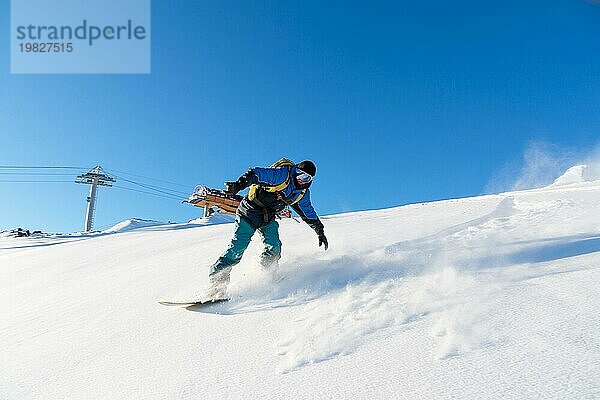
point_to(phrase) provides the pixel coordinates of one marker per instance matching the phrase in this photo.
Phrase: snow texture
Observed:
(487, 297)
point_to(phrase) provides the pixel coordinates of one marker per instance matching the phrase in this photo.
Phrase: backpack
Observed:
(282, 162)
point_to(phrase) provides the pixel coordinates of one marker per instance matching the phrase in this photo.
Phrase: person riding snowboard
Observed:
(272, 189)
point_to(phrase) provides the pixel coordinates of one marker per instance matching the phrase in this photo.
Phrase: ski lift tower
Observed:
(96, 177)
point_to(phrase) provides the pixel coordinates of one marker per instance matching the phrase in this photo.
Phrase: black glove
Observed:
(234, 187)
(242, 183)
(322, 239)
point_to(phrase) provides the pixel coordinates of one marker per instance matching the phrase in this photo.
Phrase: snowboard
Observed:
(192, 303)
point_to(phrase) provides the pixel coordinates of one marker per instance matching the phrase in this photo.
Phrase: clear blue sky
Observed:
(396, 102)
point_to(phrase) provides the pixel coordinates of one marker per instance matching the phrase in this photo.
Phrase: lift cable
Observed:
(39, 167)
(154, 190)
(158, 189)
(150, 193)
(34, 181)
(112, 171)
(39, 173)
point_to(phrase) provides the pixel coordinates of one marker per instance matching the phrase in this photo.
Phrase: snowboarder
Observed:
(272, 189)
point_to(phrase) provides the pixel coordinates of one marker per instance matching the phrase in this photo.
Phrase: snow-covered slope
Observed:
(144, 224)
(576, 174)
(131, 224)
(487, 297)
(214, 219)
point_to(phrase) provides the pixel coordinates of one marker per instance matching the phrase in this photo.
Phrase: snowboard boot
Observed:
(218, 284)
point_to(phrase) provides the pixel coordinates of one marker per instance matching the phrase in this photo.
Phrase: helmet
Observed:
(308, 167)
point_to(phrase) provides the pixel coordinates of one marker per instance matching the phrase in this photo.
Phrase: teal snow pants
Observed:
(244, 231)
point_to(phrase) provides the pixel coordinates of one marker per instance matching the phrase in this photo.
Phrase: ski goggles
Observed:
(304, 177)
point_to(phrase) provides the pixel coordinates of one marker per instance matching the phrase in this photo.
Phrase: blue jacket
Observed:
(267, 204)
